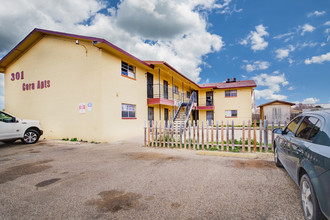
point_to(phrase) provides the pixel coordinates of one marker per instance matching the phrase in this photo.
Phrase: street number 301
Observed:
(17, 76)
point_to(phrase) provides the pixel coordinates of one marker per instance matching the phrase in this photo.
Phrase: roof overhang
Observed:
(38, 34)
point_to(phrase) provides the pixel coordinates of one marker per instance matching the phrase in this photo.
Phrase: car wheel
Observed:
(309, 202)
(31, 136)
(276, 159)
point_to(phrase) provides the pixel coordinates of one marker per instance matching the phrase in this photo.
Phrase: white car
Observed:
(12, 129)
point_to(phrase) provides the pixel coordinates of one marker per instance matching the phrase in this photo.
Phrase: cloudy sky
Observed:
(282, 45)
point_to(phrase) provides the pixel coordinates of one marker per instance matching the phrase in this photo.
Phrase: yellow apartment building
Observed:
(88, 88)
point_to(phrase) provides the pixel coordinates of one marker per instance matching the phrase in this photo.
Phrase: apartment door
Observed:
(209, 98)
(166, 115)
(165, 89)
(209, 117)
(150, 113)
(150, 86)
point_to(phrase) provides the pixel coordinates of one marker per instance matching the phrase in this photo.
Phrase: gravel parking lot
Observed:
(123, 180)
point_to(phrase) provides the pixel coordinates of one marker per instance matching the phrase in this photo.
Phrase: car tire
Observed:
(276, 159)
(31, 136)
(310, 205)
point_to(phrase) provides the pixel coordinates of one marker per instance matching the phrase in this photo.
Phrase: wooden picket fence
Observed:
(219, 137)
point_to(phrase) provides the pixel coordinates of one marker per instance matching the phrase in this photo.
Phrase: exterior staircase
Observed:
(183, 113)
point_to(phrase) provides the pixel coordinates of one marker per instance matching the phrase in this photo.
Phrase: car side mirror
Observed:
(278, 131)
(14, 120)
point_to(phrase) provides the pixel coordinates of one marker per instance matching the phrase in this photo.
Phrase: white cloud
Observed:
(257, 65)
(315, 13)
(284, 52)
(310, 101)
(291, 88)
(327, 23)
(280, 36)
(273, 84)
(256, 38)
(318, 59)
(173, 31)
(307, 28)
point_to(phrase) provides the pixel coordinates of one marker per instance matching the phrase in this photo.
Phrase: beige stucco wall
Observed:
(76, 78)
(242, 103)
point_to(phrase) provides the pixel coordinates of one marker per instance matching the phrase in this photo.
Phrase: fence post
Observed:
(203, 135)
(217, 135)
(232, 135)
(207, 135)
(197, 134)
(249, 136)
(222, 145)
(189, 135)
(194, 134)
(266, 135)
(212, 140)
(153, 133)
(160, 134)
(227, 136)
(148, 124)
(168, 134)
(254, 135)
(172, 135)
(184, 135)
(260, 136)
(156, 141)
(164, 134)
(272, 136)
(243, 137)
(177, 136)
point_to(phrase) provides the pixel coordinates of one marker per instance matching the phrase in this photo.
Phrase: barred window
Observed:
(231, 93)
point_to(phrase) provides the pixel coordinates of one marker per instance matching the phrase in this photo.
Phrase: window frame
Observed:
(231, 113)
(129, 66)
(230, 93)
(128, 117)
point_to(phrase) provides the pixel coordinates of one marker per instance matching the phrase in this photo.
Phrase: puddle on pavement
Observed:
(15, 172)
(47, 182)
(115, 200)
(152, 156)
(253, 164)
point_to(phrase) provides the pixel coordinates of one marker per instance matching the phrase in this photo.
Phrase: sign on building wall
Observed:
(82, 108)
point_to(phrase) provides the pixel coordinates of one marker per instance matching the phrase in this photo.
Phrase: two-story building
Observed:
(88, 88)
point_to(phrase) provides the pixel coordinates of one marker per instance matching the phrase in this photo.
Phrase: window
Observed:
(6, 118)
(127, 70)
(231, 93)
(128, 111)
(176, 89)
(188, 94)
(230, 113)
(306, 127)
(292, 127)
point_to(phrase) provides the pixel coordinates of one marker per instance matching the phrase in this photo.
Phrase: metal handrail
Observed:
(190, 105)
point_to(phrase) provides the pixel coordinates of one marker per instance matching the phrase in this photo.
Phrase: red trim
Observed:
(160, 101)
(128, 77)
(205, 108)
(128, 118)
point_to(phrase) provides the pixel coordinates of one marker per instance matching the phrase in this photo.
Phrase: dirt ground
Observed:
(123, 180)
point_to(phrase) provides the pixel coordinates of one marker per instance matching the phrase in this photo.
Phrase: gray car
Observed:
(303, 149)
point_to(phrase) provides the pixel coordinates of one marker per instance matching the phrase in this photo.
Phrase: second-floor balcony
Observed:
(165, 95)
(205, 103)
